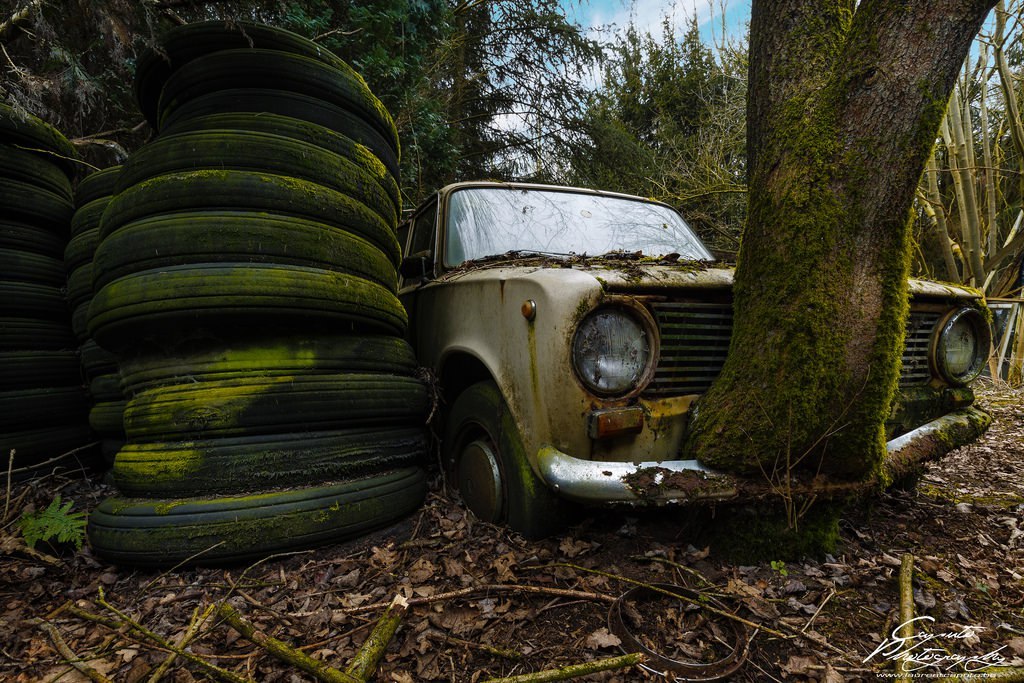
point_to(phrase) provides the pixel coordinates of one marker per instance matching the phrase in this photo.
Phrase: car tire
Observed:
(29, 167)
(484, 456)
(25, 130)
(28, 299)
(270, 405)
(31, 369)
(179, 239)
(165, 304)
(33, 205)
(96, 185)
(25, 266)
(80, 285)
(257, 102)
(309, 354)
(248, 463)
(302, 131)
(29, 408)
(88, 216)
(165, 532)
(242, 150)
(249, 191)
(14, 235)
(27, 332)
(183, 44)
(32, 447)
(107, 418)
(81, 249)
(97, 361)
(255, 68)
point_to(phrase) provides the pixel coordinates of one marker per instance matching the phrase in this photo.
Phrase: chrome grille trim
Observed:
(694, 338)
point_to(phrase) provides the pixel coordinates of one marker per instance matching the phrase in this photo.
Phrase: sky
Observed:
(648, 14)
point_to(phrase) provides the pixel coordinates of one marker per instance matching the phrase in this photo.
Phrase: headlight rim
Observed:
(982, 335)
(640, 315)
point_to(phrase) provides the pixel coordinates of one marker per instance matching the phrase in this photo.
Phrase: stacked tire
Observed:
(99, 367)
(246, 278)
(42, 398)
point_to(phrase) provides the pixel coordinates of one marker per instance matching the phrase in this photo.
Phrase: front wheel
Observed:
(484, 456)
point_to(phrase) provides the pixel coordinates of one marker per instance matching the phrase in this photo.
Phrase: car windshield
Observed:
(490, 221)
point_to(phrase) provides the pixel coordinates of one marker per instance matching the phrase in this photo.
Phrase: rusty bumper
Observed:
(687, 481)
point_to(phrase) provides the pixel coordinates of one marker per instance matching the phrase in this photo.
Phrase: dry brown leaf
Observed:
(602, 638)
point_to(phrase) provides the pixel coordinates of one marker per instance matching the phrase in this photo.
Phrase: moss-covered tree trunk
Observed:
(844, 105)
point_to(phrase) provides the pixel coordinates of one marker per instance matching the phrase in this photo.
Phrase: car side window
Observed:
(421, 244)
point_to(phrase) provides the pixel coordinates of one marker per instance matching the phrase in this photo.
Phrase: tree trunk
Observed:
(843, 109)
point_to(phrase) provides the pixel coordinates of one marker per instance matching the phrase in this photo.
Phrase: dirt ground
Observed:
(485, 603)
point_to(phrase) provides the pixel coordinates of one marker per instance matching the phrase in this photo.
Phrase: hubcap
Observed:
(480, 480)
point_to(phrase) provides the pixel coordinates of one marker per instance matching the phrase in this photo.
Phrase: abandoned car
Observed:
(568, 363)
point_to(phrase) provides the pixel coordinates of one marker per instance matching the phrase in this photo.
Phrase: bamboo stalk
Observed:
(991, 221)
(964, 186)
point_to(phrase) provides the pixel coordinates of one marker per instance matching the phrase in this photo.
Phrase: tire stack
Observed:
(99, 367)
(42, 399)
(246, 278)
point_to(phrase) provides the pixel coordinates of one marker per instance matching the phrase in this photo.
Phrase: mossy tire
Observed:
(302, 131)
(29, 167)
(31, 300)
(97, 361)
(183, 44)
(263, 153)
(255, 68)
(25, 130)
(484, 455)
(80, 285)
(270, 405)
(106, 387)
(88, 216)
(107, 418)
(176, 302)
(231, 529)
(14, 235)
(230, 465)
(96, 185)
(24, 408)
(249, 191)
(80, 321)
(38, 369)
(81, 249)
(259, 102)
(35, 333)
(26, 266)
(27, 203)
(179, 239)
(308, 355)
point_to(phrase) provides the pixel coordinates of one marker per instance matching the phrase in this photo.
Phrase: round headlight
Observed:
(962, 346)
(611, 351)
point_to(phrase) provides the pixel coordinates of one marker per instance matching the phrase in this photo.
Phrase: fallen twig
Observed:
(187, 637)
(575, 670)
(282, 650)
(364, 664)
(814, 616)
(489, 588)
(656, 589)
(69, 656)
(211, 669)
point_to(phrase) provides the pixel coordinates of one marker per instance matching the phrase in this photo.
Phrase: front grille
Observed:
(695, 340)
(916, 370)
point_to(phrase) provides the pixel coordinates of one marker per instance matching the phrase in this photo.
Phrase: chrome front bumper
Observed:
(687, 481)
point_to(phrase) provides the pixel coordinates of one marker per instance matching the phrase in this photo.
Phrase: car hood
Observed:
(624, 275)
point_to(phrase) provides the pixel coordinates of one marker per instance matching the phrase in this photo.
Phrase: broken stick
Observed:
(574, 670)
(906, 609)
(282, 650)
(364, 664)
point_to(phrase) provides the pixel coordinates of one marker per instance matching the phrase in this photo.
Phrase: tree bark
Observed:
(844, 103)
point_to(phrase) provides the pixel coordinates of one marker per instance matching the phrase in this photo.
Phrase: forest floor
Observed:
(486, 603)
